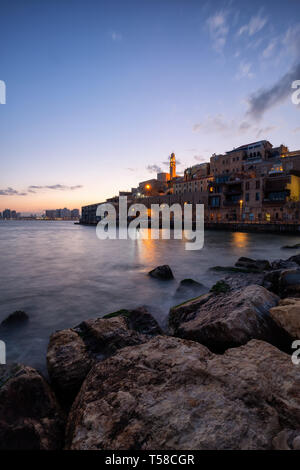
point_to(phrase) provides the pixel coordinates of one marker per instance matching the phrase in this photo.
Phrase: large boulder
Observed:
(164, 273)
(271, 280)
(30, 417)
(283, 264)
(284, 280)
(287, 316)
(72, 352)
(173, 394)
(239, 280)
(186, 311)
(221, 321)
(253, 265)
(295, 259)
(289, 283)
(139, 320)
(68, 362)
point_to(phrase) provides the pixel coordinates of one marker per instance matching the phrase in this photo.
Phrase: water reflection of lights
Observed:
(146, 247)
(240, 239)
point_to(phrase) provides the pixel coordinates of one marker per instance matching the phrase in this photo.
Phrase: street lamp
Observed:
(241, 208)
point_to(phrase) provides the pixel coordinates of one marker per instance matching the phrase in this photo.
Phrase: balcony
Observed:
(231, 203)
(273, 202)
(233, 192)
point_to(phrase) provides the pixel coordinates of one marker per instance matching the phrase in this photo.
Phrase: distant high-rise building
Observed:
(50, 214)
(62, 214)
(65, 213)
(75, 213)
(6, 214)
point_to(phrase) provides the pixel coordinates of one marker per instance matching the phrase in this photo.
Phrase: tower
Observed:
(172, 166)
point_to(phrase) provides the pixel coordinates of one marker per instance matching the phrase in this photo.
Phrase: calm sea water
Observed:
(61, 274)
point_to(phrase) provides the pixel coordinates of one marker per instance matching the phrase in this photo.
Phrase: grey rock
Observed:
(289, 283)
(224, 320)
(189, 288)
(291, 247)
(295, 259)
(283, 264)
(16, 318)
(239, 280)
(163, 273)
(173, 394)
(72, 352)
(30, 417)
(257, 265)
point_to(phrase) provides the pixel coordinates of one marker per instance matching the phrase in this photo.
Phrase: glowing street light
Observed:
(241, 208)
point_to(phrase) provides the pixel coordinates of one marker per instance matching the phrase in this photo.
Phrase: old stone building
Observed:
(254, 183)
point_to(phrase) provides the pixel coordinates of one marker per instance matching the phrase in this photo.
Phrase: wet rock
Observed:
(185, 311)
(68, 362)
(190, 283)
(238, 280)
(283, 264)
(256, 265)
(139, 320)
(173, 394)
(220, 287)
(72, 352)
(188, 288)
(295, 259)
(30, 417)
(287, 316)
(291, 247)
(16, 318)
(229, 269)
(285, 280)
(271, 281)
(289, 283)
(163, 273)
(229, 319)
(287, 439)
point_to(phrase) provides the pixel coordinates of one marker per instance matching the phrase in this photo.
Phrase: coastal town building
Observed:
(253, 183)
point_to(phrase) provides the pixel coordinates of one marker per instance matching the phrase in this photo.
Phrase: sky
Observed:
(100, 93)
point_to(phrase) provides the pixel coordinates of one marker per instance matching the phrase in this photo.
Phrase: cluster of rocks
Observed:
(221, 377)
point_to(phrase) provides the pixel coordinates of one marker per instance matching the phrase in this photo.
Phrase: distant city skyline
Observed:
(9, 213)
(100, 93)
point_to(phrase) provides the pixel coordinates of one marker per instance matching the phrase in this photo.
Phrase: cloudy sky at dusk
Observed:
(99, 93)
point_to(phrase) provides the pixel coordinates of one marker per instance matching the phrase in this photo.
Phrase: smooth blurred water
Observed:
(61, 274)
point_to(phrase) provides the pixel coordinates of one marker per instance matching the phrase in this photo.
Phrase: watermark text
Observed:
(296, 94)
(2, 92)
(135, 221)
(2, 352)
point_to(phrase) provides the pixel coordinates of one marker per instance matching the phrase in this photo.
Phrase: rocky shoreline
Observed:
(221, 377)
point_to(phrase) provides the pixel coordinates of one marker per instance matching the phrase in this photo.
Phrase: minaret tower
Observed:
(172, 166)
